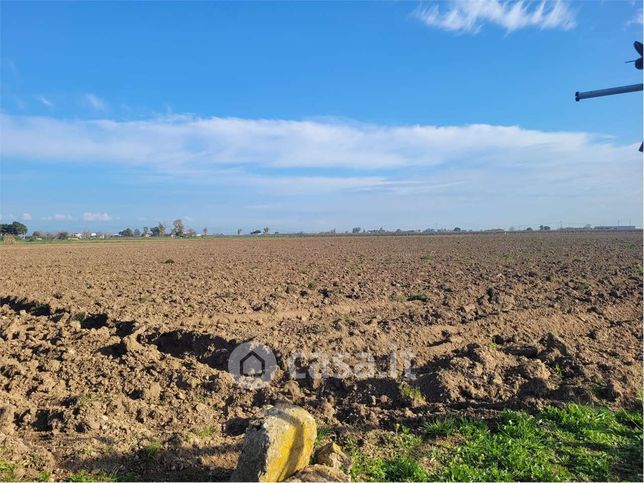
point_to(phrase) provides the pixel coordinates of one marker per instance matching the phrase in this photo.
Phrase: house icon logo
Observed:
(252, 365)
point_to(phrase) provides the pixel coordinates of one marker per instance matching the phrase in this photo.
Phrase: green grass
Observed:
(426, 257)
(324, 433)
(7, 471)
(151, 449)
(412, 394)
(574, 442)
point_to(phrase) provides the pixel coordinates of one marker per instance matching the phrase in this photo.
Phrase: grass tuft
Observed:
(83, 475)
(151, 449)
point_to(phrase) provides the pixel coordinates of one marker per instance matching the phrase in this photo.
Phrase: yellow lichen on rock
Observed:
(276, 445)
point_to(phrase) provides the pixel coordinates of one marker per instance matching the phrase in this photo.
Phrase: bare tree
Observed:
(239, 231)
(178, 227)
(266, 230)
(205, 231)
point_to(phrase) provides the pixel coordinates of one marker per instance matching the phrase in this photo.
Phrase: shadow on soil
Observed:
(212, 463)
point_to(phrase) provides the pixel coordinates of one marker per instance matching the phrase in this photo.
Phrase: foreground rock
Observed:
(332, 455)
(276, 445)
(319, 473)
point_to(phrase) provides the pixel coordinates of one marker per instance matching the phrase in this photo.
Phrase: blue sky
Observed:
(313, 116)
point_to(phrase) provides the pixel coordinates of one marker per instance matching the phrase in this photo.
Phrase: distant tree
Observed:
(146, 231)
(15, 228)
(161, 229)
(205, 231)
(587, 226)
(178, 227)
(38, 234)
(137, 232)
(239, 231)
(266, 229)
(356, 229)
(544, 227)
(457, 229)
(127, 233)
(63, 235)
(87, 234)
(19, 228)
(529, 229)
(155, 231)
(255, 232)
(190, 232)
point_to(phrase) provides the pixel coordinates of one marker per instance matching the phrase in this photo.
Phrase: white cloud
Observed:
(45, 101)
(26, 216)
(95, 102)
(58, 217)
(90, 216)
(469, 16)
(307, 158)
(201, 147)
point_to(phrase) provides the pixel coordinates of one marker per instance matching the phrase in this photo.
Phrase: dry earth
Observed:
(113, 356)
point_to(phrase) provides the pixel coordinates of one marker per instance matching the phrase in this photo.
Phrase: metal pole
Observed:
(607, 92)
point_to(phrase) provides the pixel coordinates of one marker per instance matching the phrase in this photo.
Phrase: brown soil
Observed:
(112, 359)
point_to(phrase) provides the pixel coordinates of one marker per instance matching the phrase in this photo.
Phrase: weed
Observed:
(426, 257)
(312, 285)
(80, 316)
(83, 475)
(168, 261)
(412, 394)
(206, 432)
(417, 296)
(7, 471)
(151, 449)
(43, 476)
(324, 433)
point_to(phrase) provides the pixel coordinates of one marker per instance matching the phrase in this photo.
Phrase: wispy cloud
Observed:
(192, 146)
(636, 19)
(95, 102)
(97, 216)
(58, 217)
(469, 16)
(307, 158)
(26, 216)
(46, 102)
